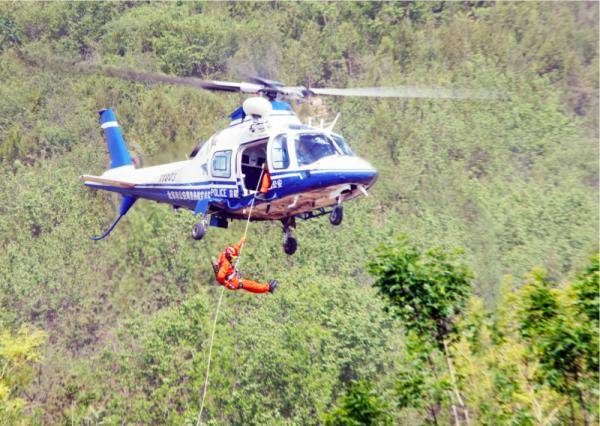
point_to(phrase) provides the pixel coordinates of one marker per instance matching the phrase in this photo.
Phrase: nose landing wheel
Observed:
(198, 230)
(336, 216)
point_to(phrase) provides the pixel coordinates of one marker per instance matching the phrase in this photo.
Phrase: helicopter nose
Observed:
(373, 175)
(349, 169)
(362, 170)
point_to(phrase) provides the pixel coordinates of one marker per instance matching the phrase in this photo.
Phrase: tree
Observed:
(560, 333)
(426, 291)
(497, 372)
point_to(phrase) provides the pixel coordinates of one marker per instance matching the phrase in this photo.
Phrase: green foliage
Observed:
(513, 182)
(587, 297)
(497, 373)
(426, 291)
(18, 355)
(9, 33)
(298, 351)
(586, 310)
(360, 405)
(196, 46)
(541, 306)
(420, 381)
(536, 357)
(565, 343)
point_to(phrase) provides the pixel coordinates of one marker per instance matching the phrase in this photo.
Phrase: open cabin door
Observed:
(251, 157)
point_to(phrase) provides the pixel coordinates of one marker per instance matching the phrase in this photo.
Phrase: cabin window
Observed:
(279, 153)
(311, 147)
(221, 164)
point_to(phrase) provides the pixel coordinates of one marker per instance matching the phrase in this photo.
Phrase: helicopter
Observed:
(313, 170)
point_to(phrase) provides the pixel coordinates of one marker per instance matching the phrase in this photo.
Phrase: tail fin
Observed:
(126, 204)
(119, 155)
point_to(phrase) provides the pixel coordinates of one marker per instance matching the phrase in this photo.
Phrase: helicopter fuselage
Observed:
(311, 169)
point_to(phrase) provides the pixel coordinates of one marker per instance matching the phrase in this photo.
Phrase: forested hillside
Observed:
(484, 219)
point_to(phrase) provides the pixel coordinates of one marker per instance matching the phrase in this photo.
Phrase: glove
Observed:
(243, 240)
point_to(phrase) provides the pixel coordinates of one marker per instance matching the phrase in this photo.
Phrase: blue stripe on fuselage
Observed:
(200, 183)
(228, 198)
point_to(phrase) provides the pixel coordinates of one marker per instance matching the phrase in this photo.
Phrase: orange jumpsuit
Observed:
(266, 180)
(228, 277)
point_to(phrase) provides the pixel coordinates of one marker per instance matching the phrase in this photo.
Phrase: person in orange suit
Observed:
(265, 184)
(231, 278)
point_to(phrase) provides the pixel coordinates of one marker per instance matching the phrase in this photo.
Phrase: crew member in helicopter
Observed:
(265, 184)
(230, 276)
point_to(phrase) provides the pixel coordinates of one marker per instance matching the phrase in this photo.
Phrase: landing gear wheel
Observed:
(336, 215)
(198, 231)
(290, 245)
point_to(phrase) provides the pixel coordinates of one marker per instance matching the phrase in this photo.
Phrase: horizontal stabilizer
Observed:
(104, 181)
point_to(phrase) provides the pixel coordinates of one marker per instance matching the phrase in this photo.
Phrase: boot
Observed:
(272, 286)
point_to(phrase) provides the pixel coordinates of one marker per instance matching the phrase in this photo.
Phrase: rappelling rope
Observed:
(212, 338)
(237, 261)
(214, 326)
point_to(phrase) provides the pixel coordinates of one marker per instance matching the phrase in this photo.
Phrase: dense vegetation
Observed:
(117, 331)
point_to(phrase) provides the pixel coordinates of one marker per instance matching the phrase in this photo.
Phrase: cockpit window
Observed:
(342, 145)
(279, 153)
(311, 147)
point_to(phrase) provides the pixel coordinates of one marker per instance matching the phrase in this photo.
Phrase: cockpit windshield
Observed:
(342, 145)
(311, 147)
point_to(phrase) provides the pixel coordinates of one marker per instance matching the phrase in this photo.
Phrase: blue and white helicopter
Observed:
(312, 169)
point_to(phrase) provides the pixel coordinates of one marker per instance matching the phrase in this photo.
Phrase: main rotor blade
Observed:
(214, 85)
(126, 74)
(260, 85)
(405, 92)
(264, 81)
